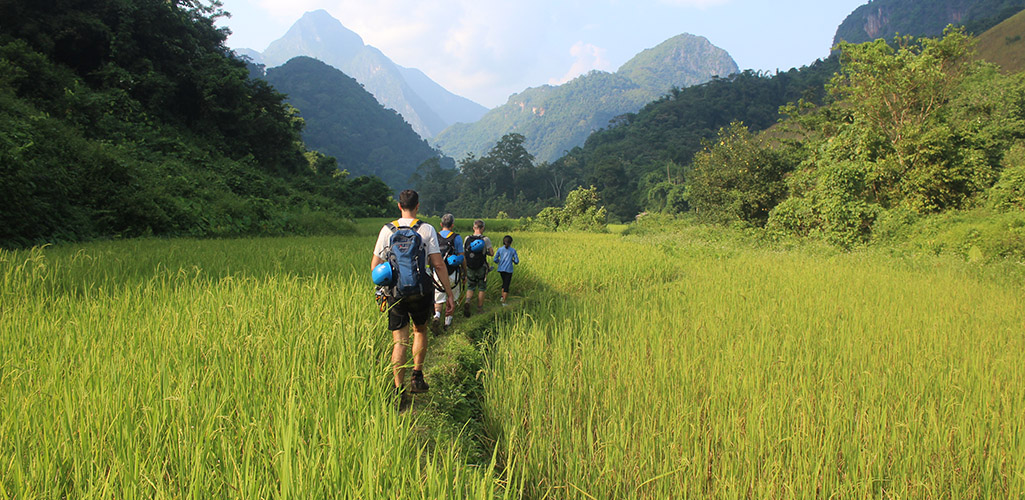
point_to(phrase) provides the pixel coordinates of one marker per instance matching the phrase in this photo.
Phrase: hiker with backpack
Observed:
(505, 257)
(403, 250)
(476, 250)
(450, 244)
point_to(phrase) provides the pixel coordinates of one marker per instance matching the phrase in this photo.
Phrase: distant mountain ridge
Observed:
(555, 119)
(427, 106)
(345, 121)
(886, 18)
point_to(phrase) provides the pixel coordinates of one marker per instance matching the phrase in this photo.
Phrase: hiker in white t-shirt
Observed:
(417, 308)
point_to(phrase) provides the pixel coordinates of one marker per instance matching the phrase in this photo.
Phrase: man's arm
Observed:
(439, 263)
(376, 261)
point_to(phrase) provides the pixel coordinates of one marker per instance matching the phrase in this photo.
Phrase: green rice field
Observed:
(629, 366)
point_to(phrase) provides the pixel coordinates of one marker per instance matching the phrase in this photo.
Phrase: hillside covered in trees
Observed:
(636, 162)
(345, 121)
(131, 118)
(888, 18)
(916, 127)
(556, 118)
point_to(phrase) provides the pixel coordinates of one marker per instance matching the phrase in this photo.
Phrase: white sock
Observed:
(437, 315)
(448, 320)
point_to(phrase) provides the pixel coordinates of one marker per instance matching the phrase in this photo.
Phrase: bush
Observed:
(1009, 191)
(582, 212)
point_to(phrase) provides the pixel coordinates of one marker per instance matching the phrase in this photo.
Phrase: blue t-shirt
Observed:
(458, 241)
(506, 257)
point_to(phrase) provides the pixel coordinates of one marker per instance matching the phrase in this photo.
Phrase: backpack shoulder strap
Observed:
(393, 225)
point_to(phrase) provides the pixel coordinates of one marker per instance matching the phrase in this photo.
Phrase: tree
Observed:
(736, 177)
(898, 103)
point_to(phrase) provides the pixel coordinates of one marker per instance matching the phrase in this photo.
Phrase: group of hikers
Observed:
(404, 250)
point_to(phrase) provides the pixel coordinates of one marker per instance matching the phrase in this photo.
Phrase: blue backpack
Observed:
(408, 257)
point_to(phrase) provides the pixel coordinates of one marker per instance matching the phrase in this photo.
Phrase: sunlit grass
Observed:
(233, 368)
(662, 368)
(654, 366)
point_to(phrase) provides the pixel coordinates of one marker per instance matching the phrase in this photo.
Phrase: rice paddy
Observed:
(632, 367)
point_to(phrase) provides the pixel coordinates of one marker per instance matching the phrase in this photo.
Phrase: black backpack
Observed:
(474, 260)
(447, 245)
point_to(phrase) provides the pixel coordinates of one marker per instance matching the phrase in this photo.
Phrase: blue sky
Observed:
(487, 50)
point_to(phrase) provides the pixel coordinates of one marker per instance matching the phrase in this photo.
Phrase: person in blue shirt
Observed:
(505, 257)
(450, 243)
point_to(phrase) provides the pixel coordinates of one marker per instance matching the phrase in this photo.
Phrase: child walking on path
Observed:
(505, 257)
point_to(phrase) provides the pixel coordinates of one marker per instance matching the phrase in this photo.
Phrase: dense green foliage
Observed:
(504, 180)
(554, 119)
(637, 162)
(888, 18)
(345, 121)
(582, 212)
(919, 126)
(736, 178)
(123, 118)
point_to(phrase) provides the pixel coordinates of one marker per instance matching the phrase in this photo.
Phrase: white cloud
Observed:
(587, 57)
(483, 50)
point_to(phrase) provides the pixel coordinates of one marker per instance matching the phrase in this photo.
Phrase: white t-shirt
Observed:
(427, 232)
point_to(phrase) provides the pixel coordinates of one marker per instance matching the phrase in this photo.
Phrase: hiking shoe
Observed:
(436, 326)
(402, 399)
(466, 309)
(417, 385)
(480, 310)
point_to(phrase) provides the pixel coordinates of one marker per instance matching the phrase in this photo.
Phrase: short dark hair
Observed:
(478, 224)
(507, 240)
(409, 199)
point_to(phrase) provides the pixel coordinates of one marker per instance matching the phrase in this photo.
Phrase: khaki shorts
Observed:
(439, 297)
(477, 279)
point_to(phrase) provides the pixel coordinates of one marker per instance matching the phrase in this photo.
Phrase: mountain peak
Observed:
(680, 61)
(427, 106)
(315, 34)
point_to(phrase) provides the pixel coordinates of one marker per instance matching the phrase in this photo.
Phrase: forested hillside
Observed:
(638, 161)
(344, 120)
(887, 18)
(915, 129)
(130, 118)
(556, 118)
(427, 106)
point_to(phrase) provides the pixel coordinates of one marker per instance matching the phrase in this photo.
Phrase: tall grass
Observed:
(669, 368)
(233, 368)
(651, 366)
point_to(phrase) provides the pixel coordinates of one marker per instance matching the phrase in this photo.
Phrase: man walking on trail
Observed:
(416, 307)
(476, 249)
(450, 244)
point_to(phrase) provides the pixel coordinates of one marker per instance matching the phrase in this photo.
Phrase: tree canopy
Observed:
(124, 118)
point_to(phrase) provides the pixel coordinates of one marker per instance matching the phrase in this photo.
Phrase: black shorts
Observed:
(506, 279)
(418, 308)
